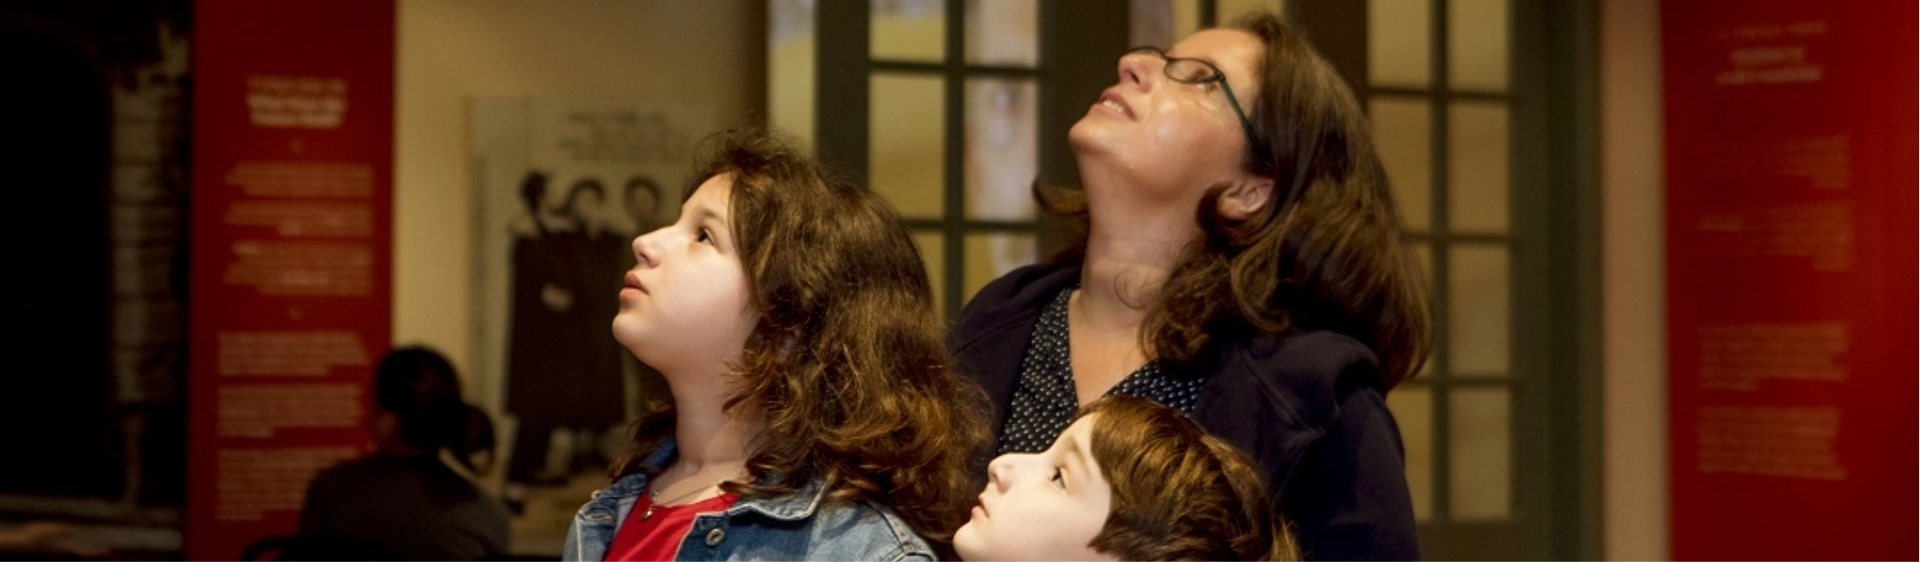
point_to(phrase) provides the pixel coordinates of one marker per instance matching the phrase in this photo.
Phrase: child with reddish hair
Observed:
(1129, 479)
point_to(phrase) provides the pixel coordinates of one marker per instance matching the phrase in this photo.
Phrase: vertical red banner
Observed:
(291, 259)
(1791, 278)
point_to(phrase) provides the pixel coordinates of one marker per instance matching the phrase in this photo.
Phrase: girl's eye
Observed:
(706, 237)
(1059, 477)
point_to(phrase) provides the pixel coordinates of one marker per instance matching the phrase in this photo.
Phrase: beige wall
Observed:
(1633, 330)
(451, 50)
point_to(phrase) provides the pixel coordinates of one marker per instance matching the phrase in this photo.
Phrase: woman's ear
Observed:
(1242, 200)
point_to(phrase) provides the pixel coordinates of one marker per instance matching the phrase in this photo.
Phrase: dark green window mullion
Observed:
(842, 59)
(1458, 383)
(1468, 238)
(945, 66)
(1457, 95)
(973, 226)
(953, 209)
(1442, 250)
(1555, 63)
(883, 65)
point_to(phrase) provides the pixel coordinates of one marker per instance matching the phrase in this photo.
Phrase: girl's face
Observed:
(686, 303)
(1044, 506)
(1167, 139)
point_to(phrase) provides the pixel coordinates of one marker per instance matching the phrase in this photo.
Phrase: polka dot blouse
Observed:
(1044, 399)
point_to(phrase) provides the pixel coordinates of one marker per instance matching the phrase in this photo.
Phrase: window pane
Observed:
(1003, 33)
(1399, 43)
(932, 248)
(1151, 22)
(1479, 465)
(1186, 20)
(1477, 45)
(991, 255)
(1477, 306)
(909, 30)
(1403, 133)
(1002, 155)
(1412, 408)
(1225, 11)
(1162, 22)
(1477, 154)
(908, 142)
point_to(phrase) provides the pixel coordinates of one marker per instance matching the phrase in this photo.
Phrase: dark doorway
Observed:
(55, 416)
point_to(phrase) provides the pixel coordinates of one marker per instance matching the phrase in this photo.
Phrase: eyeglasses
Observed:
(1196, 71)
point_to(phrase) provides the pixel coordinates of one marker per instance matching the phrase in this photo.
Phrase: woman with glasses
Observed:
(1241, 262)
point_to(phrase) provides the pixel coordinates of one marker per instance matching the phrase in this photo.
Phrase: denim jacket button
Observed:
(715, 536)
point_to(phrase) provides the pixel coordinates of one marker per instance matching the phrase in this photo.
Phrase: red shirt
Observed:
(658, 537)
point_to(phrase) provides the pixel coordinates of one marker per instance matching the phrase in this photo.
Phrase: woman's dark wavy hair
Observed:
(1324, 252)
(1179, 493)
(848, 366)
(421, 389)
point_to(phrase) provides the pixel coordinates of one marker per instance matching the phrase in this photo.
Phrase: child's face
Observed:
(685, 303)
(1044, 506)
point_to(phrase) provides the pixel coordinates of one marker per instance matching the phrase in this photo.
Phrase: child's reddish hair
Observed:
(1179, 493)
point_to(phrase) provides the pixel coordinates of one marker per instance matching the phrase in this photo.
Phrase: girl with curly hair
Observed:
(815, 412)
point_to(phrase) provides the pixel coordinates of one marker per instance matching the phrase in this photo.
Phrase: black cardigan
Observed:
(1307, 405)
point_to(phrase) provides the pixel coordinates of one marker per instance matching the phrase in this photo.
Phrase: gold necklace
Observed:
(653, 499)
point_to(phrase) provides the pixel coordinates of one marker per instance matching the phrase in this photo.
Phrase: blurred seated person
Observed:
(403, 501)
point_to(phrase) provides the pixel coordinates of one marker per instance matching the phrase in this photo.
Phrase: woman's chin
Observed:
(1084, 136)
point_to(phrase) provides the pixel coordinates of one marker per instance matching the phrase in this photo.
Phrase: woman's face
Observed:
(1165, 140)
(686, 300)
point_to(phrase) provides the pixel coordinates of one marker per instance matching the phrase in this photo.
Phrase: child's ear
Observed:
(789, 343)
(1243, 199)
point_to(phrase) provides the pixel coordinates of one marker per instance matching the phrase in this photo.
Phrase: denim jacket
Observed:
(799, 526)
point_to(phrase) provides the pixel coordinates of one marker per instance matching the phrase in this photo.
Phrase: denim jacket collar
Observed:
(809, 527)
(796, 506)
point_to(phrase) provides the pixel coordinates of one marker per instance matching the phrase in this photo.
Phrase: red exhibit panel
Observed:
(1791, 283)
(291, 261)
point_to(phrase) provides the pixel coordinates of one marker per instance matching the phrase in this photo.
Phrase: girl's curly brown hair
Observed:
(848, 366)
